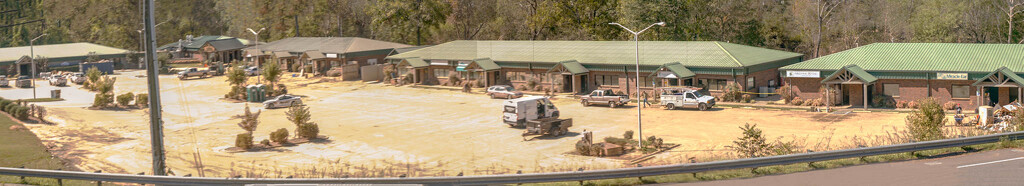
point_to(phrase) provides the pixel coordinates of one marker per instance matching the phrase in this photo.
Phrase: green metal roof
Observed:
(1006, 72)
(332, 45)
(652, 53)
(678, 69)
(60, 52)
(922, 57)
(414, 62)
(199, 42)
(856, 71)
(574, 67)
(486, 64)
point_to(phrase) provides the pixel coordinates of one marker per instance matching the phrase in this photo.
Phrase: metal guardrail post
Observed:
(60, 182)
(99, 182)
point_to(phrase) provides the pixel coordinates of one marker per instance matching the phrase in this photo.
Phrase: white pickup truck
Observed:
(194, 72)
(675, 97)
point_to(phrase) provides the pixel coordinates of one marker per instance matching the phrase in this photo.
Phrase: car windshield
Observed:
(695, 93)
(510, 89)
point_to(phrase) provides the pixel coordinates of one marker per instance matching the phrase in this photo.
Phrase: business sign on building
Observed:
(951, 76)
(803, 74)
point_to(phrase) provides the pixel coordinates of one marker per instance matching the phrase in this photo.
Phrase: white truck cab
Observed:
(516, 112)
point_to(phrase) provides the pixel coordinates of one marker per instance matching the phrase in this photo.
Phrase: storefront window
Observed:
(961, 91)
(645, 82)
(607, 80)
(441, 73)
(750, 83)
(891, 90)
(713, 84)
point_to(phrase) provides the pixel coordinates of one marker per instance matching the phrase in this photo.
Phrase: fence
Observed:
(533, 177)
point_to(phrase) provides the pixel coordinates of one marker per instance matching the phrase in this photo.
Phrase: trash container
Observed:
(55, 93)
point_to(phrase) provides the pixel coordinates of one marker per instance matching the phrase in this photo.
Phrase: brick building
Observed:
(320, 54)
(205, 48)
(581, 66)
(65, 57)
(968, 74)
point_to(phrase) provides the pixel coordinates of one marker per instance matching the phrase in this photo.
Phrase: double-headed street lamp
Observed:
(636, 37)
(258, 52)
(32, 58)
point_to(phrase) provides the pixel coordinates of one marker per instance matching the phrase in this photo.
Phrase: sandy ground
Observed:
(377, 128)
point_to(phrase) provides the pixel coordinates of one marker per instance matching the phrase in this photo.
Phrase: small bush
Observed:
(815, 102)
(21, 113)
(628, 134)
(901, 104)
(883, 101)
(797, 101)
(786, 92)
(265, 142)
(522, 88)
(731, 93)
(125, 99)
(279, 136)
(244, 141)
(926, 122)
(333, 73)
(4, 104)
(912, 104)
(620, 141)
(142, 99)
(308, 131)
(40, 112)
(747, 98)
(949, 105)
(10, 108)
(752, 144)
(102, 100)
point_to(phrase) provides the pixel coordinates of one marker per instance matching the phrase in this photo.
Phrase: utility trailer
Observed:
(547, 127)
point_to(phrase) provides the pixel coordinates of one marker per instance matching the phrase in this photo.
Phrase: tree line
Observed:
(812, 27)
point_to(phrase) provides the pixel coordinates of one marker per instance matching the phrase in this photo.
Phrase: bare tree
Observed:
(1011, 9)
(823, 11)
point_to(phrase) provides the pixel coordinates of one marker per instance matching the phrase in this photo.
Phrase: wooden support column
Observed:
(865, 95)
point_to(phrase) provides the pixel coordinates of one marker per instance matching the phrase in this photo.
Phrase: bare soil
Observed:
(378, 130)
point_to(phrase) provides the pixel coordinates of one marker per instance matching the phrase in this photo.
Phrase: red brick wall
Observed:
(910, 90)
(805, 88)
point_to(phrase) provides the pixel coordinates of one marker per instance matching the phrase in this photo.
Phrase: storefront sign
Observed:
(951, 76)
(804, 74)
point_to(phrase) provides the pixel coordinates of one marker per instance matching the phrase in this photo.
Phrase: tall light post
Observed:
(156, 129)
(142, 39)
(32, 59)
(258, 52)
(636, 37)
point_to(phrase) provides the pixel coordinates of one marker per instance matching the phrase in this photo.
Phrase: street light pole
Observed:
(32, 59)
(156, 131)
(258, 52)
(639, 122)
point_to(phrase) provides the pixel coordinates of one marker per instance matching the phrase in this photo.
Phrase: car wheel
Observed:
(584, 102)
(612, 104)
(492, 96)
(508, 96)
(703, 107)
(670, 106)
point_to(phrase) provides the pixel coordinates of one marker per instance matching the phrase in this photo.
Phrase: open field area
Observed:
(378, 130)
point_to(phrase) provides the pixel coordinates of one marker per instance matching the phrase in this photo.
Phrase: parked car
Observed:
(282, 101)
(194, 72)
(23, 82)
(252, 71)
(45, 75)
(58, 80)
(77, 78)
(503, 91)
(605, 96)
(4, 82)
(675, 97)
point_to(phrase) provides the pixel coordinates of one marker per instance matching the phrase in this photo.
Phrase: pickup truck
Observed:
(605, 96)
(58, 80)
(77, 78)
(194, 72)
(677, 97)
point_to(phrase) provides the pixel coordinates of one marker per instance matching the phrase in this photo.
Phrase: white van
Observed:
(517, 111)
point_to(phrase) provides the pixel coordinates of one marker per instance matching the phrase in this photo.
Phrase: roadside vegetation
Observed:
(236, 78)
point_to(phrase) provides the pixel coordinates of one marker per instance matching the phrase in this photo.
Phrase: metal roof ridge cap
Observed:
(727, 53)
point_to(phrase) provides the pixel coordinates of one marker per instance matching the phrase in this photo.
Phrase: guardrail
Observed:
(532, 177)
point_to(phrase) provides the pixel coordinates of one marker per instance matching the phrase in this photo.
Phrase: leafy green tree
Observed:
(418, 17)
(926, 122)
(272, 73)
(300, 116)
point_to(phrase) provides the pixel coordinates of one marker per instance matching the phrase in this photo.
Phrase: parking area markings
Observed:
(991, 162)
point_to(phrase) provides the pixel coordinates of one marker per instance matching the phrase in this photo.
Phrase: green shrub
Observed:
(731, 93)
(265, 142)
(142, 99)
(244, 141)
(125, 99)
(279, 136)
(797, 101)
(10, 108)
(949, 105)
(883, 101)
(21, 113)
(926, 122)
(786, 92)
(4, 103)
(627, 135)
(752, 143)
(308, 131)
(102, 100)
(747, 98)
(620, 141)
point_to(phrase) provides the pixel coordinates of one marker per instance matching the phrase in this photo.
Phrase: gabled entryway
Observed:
(573, 74)
(673, 74)
(1001, 86)
(852, 84)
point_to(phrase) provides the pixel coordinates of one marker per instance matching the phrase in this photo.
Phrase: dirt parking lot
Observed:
(379, 130)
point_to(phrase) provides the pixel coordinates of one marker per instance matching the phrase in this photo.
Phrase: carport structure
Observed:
(999, 85)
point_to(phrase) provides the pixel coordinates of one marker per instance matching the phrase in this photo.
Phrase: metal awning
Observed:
(850, 74)
(569, 67)
(1001, 78)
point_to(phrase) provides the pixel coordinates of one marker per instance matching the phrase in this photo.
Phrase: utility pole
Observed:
(636, 38)
(156, 131)
(32, 58)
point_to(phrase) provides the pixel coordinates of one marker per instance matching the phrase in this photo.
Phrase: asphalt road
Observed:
(999, 167)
